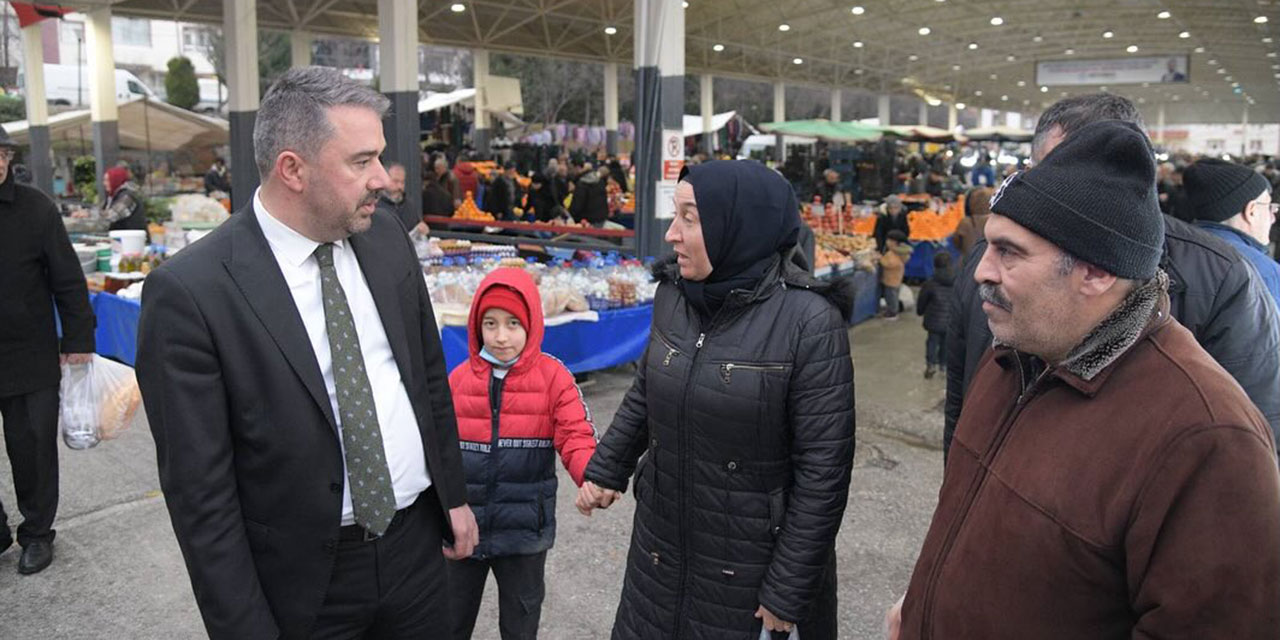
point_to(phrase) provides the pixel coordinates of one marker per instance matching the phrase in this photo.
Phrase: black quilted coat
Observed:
(746, 428)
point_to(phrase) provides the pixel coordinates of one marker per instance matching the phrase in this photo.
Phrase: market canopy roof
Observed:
(825, 130)
(1002, 134)
(972, 52)
(919, 133)
(143, 124)
(693, 124)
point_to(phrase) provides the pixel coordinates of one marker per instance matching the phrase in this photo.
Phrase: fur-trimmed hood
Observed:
(789, 269)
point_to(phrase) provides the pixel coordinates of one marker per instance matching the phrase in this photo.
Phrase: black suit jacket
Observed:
(38, 268)
(247, 446)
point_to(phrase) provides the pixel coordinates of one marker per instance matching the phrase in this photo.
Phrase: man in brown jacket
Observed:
(1108, 479)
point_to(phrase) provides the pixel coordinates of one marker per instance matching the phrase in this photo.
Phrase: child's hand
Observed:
(591, 497)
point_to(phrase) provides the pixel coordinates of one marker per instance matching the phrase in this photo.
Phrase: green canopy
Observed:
(825, 130)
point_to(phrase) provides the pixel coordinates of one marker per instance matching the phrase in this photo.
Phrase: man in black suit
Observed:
(295, 383)
(38, 270)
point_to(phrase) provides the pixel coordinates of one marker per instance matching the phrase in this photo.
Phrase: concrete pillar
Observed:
(398, 75)
(480, 137)
(300, 47)
(102, 90)
(1244, 132)
(987, 118)
(706, 83)
(952, 117)
(779, 115)
(924, 114)
(40, 158)
(240, 35)
(659, 65)
(883, 110)
(837, 104)
(1160, 124)
(611, 108)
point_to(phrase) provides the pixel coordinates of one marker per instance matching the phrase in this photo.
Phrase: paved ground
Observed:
(118, 572)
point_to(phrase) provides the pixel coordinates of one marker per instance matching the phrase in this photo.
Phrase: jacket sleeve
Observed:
(958, 324)
(627, 438)
(1201, 553)
(575, 434)
(180, 376)
(449, 480)
(926, 298)
(70, 292)
(1243, 335)
(820, 406)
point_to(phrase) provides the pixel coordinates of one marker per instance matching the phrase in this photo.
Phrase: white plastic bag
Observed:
(98, 402)
(794, 635)
(907, 298)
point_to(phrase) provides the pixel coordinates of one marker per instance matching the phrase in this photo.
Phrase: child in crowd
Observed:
(935, 305)
(516, 407)
(893, 266)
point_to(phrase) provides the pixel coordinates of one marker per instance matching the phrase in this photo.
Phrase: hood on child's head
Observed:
(519, 281)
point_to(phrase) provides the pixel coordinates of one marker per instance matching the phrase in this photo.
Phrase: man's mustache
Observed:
(990, 293)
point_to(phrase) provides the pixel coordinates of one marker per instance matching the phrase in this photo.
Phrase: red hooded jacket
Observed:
(508, 454)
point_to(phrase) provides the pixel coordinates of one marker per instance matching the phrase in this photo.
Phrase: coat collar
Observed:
(1089, 365)
(1244, 237)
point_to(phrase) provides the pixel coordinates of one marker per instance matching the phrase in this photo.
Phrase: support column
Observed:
(883, 110)
(924, 114)
(240, 33)
(659, 63)
(837, 104)
(481, 134)
(779, 115)
(1160, 124)
(706, 83)
(398, 75)
(300, 47)
(611, 108)
(40, 158)
(953, 118)
(988, 118)
(102, 91)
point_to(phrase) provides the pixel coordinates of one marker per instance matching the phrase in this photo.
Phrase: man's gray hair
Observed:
(1070, 114)
(294, 114)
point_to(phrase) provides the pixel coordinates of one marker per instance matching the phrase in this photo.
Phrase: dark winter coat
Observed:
(1213, 291)
(935, 301)
(746, 428)
(886, 223)
(510, 430)
(590, 200)
(38, 270)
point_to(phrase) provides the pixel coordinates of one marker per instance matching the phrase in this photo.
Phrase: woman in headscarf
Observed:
(124, 207)
(743, 410)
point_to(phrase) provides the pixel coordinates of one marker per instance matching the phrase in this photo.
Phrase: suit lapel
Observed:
(256, 273)
(383, 278)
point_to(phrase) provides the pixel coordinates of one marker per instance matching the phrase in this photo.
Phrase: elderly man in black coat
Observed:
(38, 271)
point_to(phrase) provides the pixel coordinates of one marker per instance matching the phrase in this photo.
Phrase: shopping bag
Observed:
(765, 634)
(906, 298)
(98, 402)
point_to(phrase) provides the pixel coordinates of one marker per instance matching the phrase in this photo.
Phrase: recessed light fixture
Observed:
(1142, 100)
(857, 11)
(1037, 38)
(684, 5)
(1199, 49)
(1103, 88)
(1004, 98)
(1108, 34)
(857, 44)
(608, 31)
(1184, 35)
(1213, 63)
(997, 21)
(1222, 70)
(960, 105)
(913, 57)
(1133, 48)
(924, 31)
(955, 67)
(457, 7)
(1260, 20)
(1022, 83)
(1266, 40)
(978, 93)
(1229, 79)
(1010, 58)
(1164, 15)
(1044, 89)
(784, 27)
(994, 77)
(797, 61)
(717, 47)
(857, 72)
(1070, 52)
(973, 45)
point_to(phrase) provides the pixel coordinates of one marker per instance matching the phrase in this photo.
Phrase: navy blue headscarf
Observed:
(749, 215)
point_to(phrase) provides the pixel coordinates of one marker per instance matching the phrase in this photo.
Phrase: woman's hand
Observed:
(591, 496)
(771, 622)
(893, 620)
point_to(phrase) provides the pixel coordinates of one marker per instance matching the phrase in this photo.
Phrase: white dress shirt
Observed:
(400, 436)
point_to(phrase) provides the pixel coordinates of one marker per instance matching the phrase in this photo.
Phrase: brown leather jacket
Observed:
(1130, 491)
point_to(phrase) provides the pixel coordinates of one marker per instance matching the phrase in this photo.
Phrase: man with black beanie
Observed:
(1213, 291)
(1233, 202)
(1107, 478)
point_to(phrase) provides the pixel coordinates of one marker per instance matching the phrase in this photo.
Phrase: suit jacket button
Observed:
(336, 487)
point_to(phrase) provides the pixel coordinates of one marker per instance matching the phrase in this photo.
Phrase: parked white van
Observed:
(66, 84)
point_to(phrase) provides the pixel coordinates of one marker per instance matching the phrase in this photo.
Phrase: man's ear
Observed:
(291, 171)
(1096, 281)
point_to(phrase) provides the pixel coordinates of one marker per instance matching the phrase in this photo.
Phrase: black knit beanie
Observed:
(1218, 190)
(1094, 196)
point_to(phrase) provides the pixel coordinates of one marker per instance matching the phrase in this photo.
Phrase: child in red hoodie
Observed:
(516, 407)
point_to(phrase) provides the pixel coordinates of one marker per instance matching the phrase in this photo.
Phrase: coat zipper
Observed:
(1025, 394)
(495, 411)
(671, 351)
(682, 457)
(726, 369)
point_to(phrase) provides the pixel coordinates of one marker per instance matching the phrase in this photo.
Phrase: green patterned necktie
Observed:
(372, 497)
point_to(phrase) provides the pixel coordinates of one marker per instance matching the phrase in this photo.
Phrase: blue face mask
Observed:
(493, 360)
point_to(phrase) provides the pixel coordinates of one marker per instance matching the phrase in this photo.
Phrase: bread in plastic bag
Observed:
(98, 402)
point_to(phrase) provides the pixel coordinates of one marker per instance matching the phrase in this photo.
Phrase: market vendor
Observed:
(895, 217)
(124, 207)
